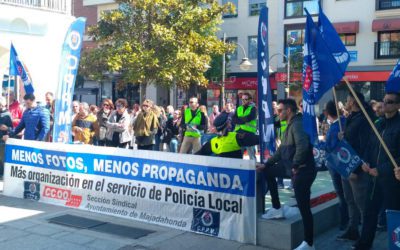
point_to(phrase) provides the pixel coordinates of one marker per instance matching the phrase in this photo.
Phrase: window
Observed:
(231, 14)
(252, 45)
(388, 45)
(234, 55)
(295, 8)
(255, 7)
(348, 39)
(387, 4)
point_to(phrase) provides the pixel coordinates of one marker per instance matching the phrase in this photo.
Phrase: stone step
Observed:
(287, 234)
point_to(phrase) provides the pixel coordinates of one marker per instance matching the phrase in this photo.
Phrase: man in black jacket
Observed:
(356, 133)
(293, 157)
(383, 187)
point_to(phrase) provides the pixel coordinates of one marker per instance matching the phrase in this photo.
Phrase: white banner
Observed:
(208, 195)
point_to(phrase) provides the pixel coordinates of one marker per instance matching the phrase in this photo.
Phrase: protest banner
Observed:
(393, 229)
(207, 195)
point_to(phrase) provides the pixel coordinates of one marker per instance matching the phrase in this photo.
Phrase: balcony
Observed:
(387, 4)
(387, 50)
(58, 6)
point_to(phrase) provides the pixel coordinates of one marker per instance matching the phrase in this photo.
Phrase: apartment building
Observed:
(370, 29)
(37, 30)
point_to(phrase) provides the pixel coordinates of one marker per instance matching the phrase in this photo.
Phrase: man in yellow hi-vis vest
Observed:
(192, 123)
(228, 144)
(245, 120)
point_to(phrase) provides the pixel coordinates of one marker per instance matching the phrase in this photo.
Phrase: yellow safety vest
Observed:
(195, 121)
(224, 144)
(282, 129)
(250, 126)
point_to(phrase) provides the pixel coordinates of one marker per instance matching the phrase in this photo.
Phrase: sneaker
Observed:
(273, 213)
(304, 246)
(381, 227)
(349, 235)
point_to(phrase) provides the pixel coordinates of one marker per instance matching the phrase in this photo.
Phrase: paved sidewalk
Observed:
(24, 225)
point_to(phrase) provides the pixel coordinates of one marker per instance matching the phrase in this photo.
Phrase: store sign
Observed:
(353, 55)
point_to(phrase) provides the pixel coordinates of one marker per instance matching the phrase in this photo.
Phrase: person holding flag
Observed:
(383, 188)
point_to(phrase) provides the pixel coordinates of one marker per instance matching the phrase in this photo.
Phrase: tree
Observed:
(163, 42)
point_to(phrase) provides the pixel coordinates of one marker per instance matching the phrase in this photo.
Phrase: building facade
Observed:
(369, 29)
(37, 30)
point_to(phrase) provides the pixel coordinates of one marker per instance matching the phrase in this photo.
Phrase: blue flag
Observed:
(343, 159)
(393, 83)
(18, 69)
(333, 41)
(266, 118)
(320, 73)
(70, 56)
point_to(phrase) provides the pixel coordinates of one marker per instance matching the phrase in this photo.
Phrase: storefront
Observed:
(235, 86)
(369, 80)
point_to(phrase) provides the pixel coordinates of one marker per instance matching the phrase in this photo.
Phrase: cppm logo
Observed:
(207, 218)
(344, 155)
(264, 32)
(74, 40)
(205, 221)
(62, 194)
(396, 237)
(31, 190)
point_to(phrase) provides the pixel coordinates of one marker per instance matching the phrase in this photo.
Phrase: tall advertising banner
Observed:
(200, 194)
(265, 113)
(71, 53)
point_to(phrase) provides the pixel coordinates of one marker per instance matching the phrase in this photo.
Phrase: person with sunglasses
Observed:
(383, 186)
(118, 134)
(102, 117)
(145, 126)
(245, 120)
(193, 123)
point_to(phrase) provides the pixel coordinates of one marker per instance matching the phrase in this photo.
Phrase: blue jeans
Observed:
(337, 185)
(173, 145)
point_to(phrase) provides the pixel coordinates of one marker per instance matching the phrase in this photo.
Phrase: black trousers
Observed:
(302, 182)
(145, 147)
(380, 192)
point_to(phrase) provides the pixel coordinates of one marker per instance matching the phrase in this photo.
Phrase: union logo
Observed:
(344, 155)
(308, 79)
(396, 236)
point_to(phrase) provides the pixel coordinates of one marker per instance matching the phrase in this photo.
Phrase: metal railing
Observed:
(387, 50)
(388, 4)
(60, 6)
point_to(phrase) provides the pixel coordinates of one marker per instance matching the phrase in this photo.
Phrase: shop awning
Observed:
(347, 27)
(386, 24)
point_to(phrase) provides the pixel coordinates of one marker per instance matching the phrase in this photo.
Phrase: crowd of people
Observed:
(363, 197)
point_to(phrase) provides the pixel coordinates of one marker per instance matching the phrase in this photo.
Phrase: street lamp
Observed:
(244, 65)
(288, 63)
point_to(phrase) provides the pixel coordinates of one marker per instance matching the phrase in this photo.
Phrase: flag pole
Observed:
(371, 123)
(337, 109)
(8, 91)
